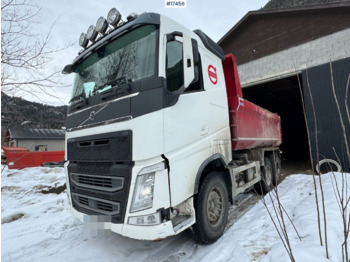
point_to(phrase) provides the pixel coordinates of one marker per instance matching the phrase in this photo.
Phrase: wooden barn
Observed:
(295, 61)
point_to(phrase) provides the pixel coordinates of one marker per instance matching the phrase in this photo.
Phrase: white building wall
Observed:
(295, 59)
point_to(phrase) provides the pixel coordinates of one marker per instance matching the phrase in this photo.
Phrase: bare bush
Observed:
(313, 170)
(340, 188)
(341, 191)
(312, 163)
(279, 217)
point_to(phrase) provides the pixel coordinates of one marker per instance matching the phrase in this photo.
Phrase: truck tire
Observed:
(267, 178)
(275, 161)
(211, 209)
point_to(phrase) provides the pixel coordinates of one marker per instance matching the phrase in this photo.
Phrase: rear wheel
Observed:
(275, 160)
(267, 178)
(211, 209)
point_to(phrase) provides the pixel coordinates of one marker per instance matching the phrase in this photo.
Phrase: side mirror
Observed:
(195, 59)
(188, 61)
(195, 52)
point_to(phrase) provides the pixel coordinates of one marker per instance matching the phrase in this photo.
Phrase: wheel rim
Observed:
(214, 207)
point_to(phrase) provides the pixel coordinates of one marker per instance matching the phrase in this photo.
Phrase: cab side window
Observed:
(197, 84)
(174, 65)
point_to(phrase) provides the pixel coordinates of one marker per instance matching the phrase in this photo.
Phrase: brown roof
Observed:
(266, 31)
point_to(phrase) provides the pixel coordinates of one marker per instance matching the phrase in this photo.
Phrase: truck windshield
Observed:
(130, 57)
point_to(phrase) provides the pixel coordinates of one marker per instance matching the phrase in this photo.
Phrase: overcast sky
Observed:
(215, 18)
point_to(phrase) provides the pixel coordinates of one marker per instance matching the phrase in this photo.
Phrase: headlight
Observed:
(143, 196)
(144, 187)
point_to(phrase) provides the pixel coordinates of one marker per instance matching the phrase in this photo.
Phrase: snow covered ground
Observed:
(36, 226)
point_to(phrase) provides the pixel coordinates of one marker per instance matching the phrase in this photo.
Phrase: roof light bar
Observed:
(113, 17)
(91, 33)
(101, 25)
(132, 16)
(83, 41)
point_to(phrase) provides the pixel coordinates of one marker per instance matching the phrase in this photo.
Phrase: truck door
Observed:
(188, 124)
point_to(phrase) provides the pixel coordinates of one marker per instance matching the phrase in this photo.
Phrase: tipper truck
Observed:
(158, 135)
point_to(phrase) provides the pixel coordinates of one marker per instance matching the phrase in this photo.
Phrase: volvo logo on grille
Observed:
(92, 115)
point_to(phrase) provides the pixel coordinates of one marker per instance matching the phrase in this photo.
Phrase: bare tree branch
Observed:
(25, 55)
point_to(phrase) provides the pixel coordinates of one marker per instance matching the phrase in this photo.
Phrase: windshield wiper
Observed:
(116, 82)
(79, 103)
(81, 95)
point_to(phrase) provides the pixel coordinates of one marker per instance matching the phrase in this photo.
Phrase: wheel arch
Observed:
(217, 163)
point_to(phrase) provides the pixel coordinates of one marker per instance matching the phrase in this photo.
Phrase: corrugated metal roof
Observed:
(36, 133)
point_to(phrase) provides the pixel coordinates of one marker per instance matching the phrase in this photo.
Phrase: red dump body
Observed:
(21, 157)
(251, 126)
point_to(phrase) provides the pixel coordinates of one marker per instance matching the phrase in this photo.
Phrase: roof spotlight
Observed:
(113, 17)
(132, 16)
(83, 41)
(91, 33)
(101, 25)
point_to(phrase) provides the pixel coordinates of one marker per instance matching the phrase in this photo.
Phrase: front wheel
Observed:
(211, 209)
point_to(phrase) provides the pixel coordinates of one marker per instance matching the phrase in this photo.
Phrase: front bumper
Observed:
(155, 232)
(161, 201)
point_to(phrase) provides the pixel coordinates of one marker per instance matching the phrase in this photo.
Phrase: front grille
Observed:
(106, 147)
(104, 207)
(93, 167)
(100, 175)
(106, 183)
(83, 200)
(95, 181)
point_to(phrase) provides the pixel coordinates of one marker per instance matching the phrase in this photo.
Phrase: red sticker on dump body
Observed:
(212, 74)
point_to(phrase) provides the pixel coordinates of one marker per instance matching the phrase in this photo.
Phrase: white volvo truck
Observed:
(159, 138)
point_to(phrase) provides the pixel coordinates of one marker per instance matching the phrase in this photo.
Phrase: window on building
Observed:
(41, 148)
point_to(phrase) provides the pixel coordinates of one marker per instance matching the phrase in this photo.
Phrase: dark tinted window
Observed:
(174, 65)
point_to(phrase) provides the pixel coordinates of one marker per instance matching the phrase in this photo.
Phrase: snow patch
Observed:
(36, 226)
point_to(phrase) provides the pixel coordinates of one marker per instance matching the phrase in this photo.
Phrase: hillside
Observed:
(289, 3)
(17, 112)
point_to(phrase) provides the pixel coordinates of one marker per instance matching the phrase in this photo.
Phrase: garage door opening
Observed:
(282, 96)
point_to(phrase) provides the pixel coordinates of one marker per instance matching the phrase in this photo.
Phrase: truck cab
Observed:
(148, 130)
